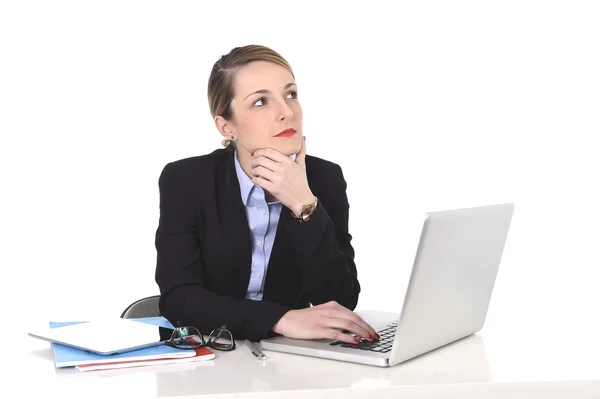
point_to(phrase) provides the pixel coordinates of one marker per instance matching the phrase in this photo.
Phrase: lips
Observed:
(287, 133)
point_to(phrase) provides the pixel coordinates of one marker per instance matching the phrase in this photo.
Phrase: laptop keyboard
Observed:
(382, 345)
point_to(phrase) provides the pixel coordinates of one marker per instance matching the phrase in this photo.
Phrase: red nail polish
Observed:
(357, 340)
(371, 337)
(252, 153)
(377, 336)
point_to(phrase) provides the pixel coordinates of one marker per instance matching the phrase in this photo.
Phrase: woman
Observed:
(251, 235)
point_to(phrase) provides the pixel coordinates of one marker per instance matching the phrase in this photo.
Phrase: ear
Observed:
(224, 127)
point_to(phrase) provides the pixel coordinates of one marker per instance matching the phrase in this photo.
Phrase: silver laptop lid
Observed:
(452, 278)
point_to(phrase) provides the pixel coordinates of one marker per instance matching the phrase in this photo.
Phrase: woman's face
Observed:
(264, 106)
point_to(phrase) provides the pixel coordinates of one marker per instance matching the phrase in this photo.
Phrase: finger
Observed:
(338, 335)
(266, 163)
(301, 156)
(356, 319)
(271, 154)
(263, 183)
(348, 325)
(267, 174)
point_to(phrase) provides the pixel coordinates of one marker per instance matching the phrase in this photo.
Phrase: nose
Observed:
(285, 111)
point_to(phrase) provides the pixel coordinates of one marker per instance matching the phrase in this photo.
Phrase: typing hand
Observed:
(324, 321)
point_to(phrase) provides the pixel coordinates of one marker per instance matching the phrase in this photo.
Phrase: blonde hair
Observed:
(221, 83)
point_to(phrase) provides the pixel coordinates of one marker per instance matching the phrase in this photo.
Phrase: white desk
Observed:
(490, 364)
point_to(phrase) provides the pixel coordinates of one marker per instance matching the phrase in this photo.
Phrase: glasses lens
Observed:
(222, 339)
(186, 338)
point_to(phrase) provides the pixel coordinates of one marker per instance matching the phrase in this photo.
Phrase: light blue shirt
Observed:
(263, 219)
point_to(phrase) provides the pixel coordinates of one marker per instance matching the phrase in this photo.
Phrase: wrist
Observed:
(280, 325)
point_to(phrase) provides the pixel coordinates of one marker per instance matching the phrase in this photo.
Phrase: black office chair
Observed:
(145, 307)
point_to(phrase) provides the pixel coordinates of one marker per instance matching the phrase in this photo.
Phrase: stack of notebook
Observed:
(67, 356)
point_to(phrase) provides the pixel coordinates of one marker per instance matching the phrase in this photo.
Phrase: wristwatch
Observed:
(306, 212)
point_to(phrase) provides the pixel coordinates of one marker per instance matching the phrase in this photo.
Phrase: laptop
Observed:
(105, 336)
(447, 297)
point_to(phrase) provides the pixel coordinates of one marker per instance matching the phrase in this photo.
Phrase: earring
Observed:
(232, 137)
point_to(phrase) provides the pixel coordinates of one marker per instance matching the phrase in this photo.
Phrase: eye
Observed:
(292, 95)
(260, 102)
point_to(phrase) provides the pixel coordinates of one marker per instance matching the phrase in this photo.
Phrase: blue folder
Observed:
(66, 356)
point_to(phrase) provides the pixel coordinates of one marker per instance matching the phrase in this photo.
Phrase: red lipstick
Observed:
(287, 133)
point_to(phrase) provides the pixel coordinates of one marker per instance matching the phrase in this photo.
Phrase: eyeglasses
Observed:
(190, 338)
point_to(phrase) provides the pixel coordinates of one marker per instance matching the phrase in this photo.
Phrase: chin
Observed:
(289, 148)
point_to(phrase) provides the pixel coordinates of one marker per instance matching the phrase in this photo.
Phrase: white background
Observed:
(426, 106)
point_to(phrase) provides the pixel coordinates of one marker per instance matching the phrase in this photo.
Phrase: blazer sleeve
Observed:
(179, 270)
(323, 249)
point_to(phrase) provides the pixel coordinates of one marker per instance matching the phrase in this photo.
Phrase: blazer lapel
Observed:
(234, 227)
(282, 267)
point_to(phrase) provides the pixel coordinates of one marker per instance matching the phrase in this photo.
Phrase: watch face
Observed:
(307, 210)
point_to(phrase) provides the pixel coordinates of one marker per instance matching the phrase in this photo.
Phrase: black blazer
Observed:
(204, 249)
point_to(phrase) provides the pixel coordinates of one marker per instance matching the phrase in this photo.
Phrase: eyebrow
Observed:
(265, 91)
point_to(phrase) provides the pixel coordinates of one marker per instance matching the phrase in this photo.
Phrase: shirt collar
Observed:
(246, 184)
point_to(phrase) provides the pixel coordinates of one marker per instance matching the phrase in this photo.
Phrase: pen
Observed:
(255, 350)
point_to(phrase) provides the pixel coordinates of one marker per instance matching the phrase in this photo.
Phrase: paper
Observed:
(202, 354)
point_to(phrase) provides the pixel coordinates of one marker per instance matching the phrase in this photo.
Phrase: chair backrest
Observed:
(145, 307)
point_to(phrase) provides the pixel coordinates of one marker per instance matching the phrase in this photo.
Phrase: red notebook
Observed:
(202, 353)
